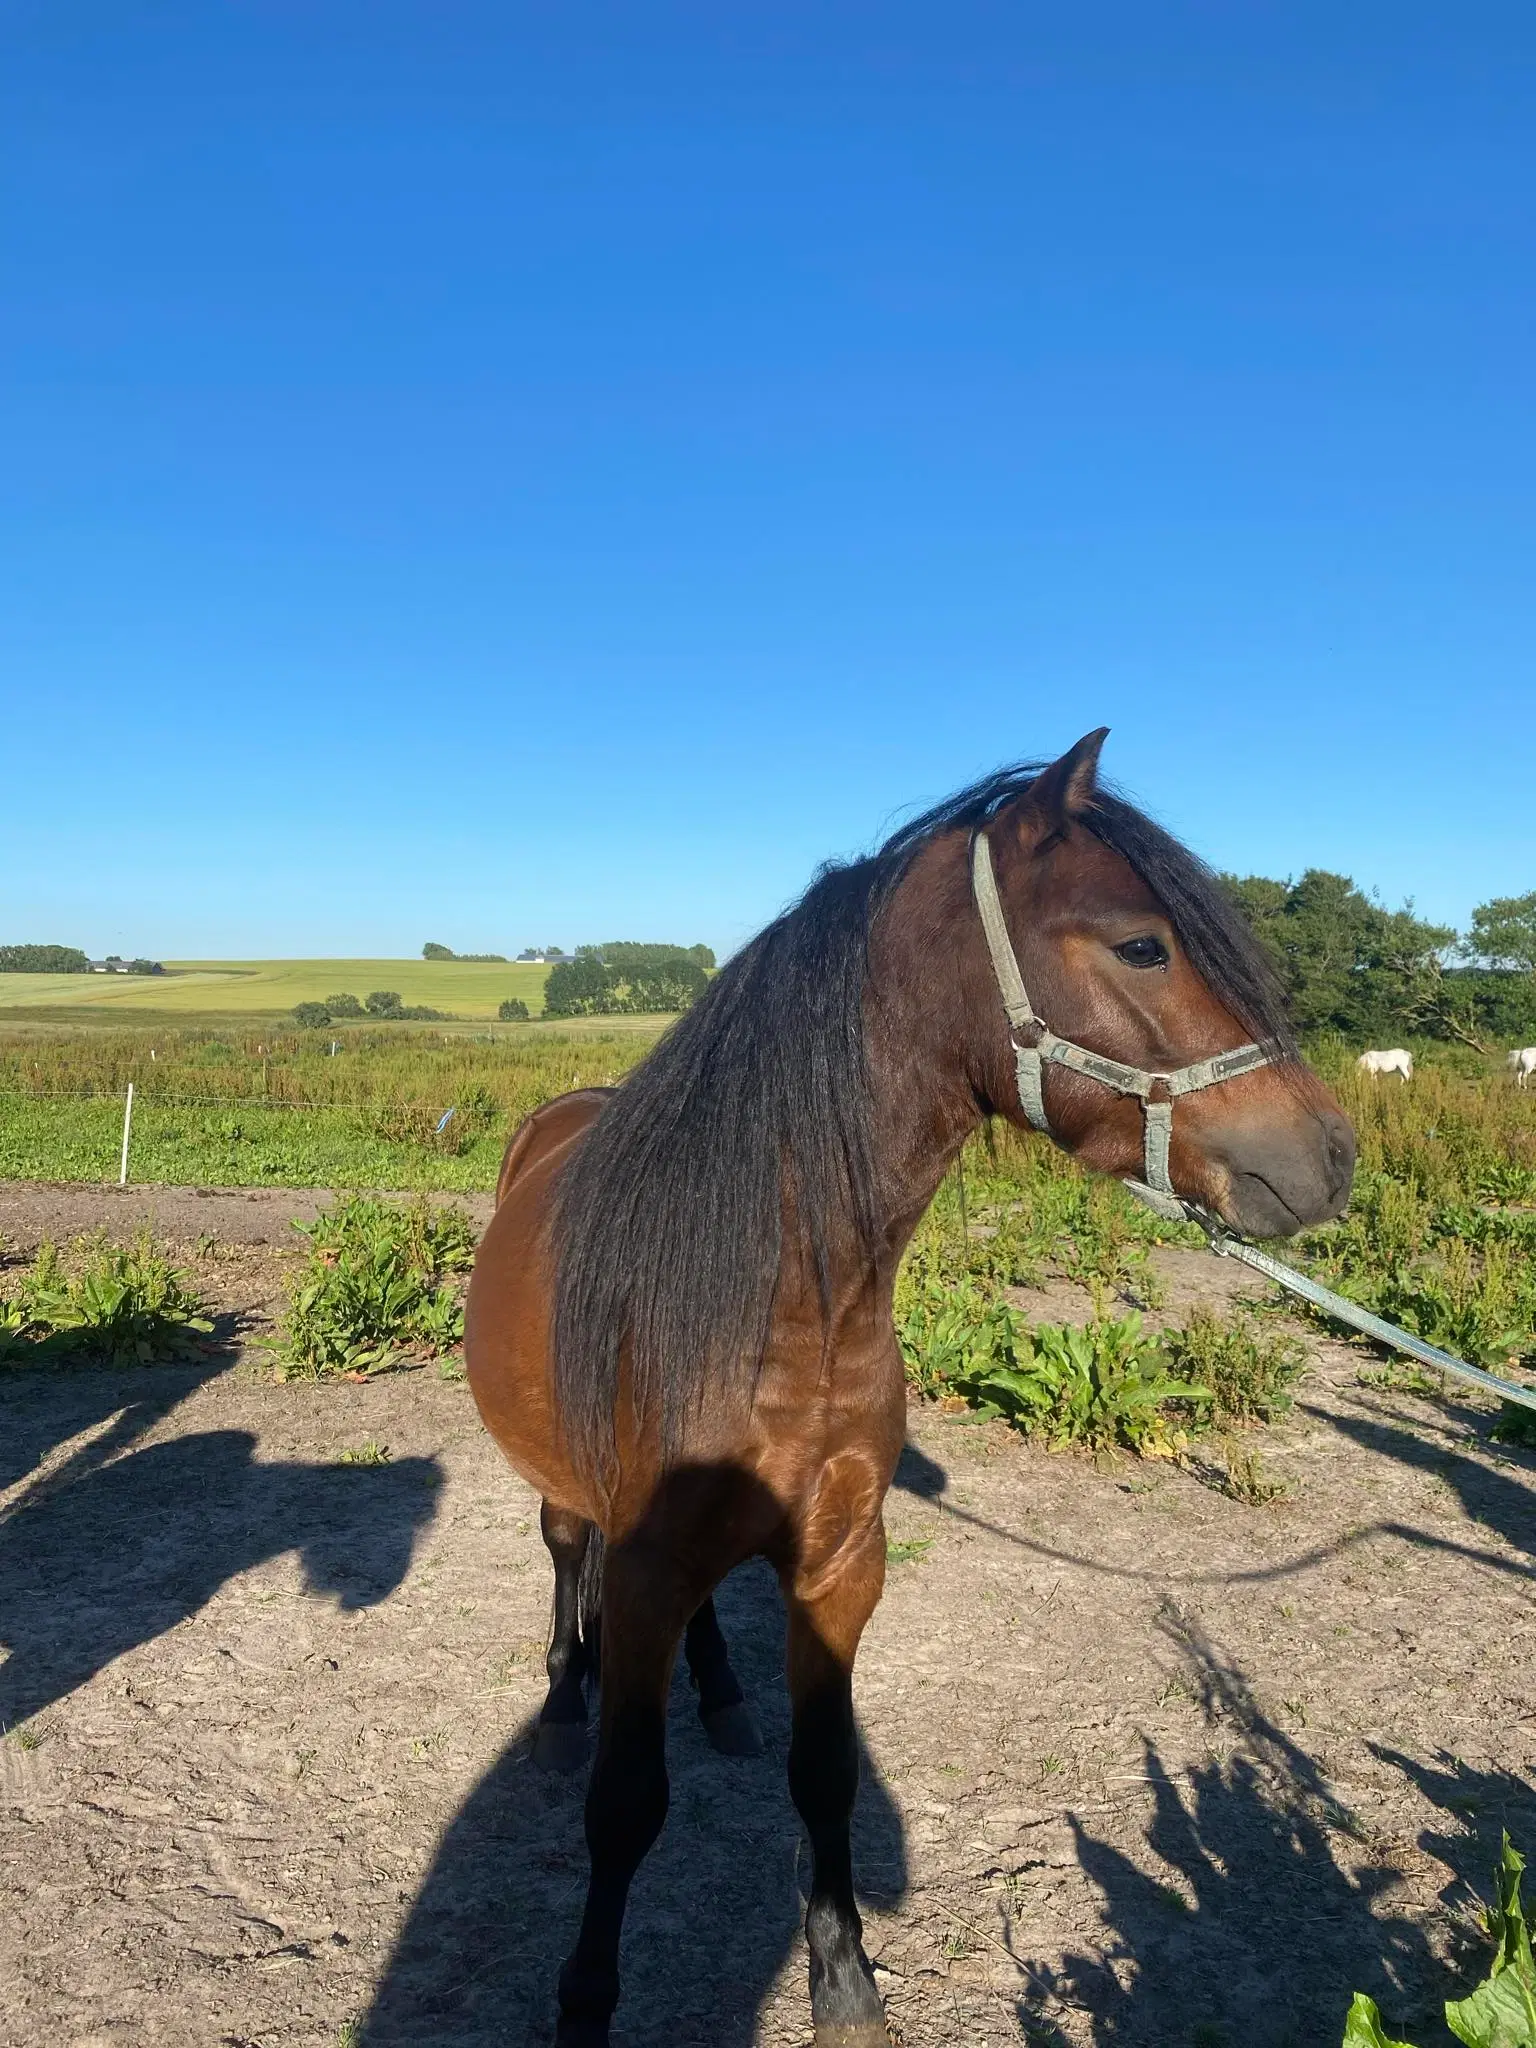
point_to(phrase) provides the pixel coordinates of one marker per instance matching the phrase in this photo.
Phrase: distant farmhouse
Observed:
(113, 965)
(542, 956)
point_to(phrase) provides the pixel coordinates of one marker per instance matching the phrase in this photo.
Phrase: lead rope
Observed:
(1226, 1244)
(1157, 1190)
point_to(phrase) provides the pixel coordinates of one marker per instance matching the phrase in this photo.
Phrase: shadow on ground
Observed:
(46, 1407)
(1496, 1499)
(715, 1911)
(99, 1557)
(1267, 1916)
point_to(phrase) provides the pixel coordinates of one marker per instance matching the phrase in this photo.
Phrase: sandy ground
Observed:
(1143, 1765)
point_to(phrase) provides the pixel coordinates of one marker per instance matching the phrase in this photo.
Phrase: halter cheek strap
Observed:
(1034, 1043)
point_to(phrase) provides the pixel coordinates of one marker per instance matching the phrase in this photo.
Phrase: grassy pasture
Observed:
(260, 988)
(258, 1107)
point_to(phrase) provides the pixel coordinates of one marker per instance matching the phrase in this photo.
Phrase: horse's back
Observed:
(511, 1294)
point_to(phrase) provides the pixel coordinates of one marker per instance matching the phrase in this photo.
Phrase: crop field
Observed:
(259, 988)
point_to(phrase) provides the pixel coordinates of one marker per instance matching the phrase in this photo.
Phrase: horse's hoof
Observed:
(560, 1746)
(734, 1730)
(857, 2034)
(581, 2034)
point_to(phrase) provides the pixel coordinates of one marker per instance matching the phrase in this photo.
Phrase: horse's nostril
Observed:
(1341, 1152)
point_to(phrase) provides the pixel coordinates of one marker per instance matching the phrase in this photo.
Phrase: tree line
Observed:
(66, 960)
(1350, 965)
(627, 977)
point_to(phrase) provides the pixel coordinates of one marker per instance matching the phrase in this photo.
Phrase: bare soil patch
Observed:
(1142, 1765)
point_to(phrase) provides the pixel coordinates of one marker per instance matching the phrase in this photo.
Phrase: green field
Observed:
(270, 988)
(253, 1106)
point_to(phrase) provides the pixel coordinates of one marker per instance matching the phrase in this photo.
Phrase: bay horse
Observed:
(679, 1326)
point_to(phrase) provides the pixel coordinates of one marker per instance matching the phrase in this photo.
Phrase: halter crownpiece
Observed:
(1157, 1092)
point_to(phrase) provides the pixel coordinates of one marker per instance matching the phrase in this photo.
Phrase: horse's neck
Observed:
(928, 1019)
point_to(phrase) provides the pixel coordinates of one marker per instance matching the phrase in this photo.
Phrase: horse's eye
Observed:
(1143, 952)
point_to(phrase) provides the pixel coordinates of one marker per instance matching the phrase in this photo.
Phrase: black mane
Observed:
(669, 1219)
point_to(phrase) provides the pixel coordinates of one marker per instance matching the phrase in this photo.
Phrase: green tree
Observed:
(579, 988)
(1504, 933)
(513, 1010)
(311, 1016)
(384, 1002)
(344, 1006)
(433, 951)
(1347, 963)
(43, 960)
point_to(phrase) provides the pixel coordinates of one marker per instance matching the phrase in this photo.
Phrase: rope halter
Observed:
(1034, 1043)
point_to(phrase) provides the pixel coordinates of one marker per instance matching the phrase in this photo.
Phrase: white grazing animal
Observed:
(1522, 1064)
(1395, 1061)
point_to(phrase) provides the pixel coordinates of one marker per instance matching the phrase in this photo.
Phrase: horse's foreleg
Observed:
(645, 1606)
(824, 1631)
(728, 1721)
(561, 1741)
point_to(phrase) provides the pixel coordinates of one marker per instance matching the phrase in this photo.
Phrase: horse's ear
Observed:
(1064, 790)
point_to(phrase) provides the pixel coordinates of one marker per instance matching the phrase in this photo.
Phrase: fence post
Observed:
(122, 1176)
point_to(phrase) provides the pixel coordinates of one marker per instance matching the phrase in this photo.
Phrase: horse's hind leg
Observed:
(728, 1721)
(561, 1742)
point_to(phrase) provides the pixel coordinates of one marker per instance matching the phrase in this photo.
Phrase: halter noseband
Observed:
(1157, 1092)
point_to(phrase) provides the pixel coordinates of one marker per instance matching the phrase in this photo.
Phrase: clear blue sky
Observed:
(508, 474)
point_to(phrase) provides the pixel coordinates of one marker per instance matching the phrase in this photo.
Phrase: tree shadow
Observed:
(1485, 1805)
(1498, 1500)
(102, 1560)
(1257, 1932)
(715, 1912)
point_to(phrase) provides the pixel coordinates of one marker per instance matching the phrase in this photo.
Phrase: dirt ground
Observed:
(1143, 1765)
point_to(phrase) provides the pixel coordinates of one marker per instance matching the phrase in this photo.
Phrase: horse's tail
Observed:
(589, 1601)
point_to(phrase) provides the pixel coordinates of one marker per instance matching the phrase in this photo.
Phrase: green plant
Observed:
(369, 1453)
(1246, 1370)
(1501, 2012)
(112, 1304)
(1103, 1385)
(344, 1006)
(1247, 1481)
(384, 1002)
(513, 1010)
(378, 1285)
(311, 1016)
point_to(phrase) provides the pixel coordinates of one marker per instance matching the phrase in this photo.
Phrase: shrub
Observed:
(1103, 1386)
(310, 1016)
(1246, 1370)
(122, 1305)
(384, 1002)
(344, 1006)
(513, 1010)
(379, 1285)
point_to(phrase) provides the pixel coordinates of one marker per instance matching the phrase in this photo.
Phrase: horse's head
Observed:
(1131, 950)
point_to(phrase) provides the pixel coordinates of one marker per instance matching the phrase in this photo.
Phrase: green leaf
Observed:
(1363, 2028)
(1499, 2014)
